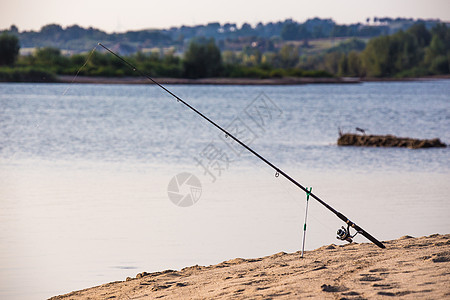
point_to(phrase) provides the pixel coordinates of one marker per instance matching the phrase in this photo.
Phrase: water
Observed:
(84, 176)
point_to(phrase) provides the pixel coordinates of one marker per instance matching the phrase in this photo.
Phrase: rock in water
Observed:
(349, 139)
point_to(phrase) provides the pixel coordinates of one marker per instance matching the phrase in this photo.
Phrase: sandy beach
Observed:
(409, 268)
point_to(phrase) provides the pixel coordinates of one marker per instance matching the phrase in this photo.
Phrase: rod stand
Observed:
(308, 192)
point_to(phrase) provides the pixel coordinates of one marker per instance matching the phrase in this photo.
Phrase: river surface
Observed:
(92, 177)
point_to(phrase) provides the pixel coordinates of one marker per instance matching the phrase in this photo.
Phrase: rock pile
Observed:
(350, 139)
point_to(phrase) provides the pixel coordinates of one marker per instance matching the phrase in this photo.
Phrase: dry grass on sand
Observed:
(409, 268)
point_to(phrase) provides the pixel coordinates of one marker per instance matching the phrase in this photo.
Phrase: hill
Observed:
(229, 36)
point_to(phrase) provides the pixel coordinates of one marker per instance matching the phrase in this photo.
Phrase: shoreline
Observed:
(206, 81)
(408, 268)
(238, 81)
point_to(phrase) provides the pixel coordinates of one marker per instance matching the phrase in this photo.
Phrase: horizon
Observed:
(221, 23)
(141, 15)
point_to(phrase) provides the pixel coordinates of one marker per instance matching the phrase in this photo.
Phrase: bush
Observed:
(202, 59)
(237, 71)
(9, 49)
(316, 73)
(26, 74)
(277, 73)
(414, 72)
(440, 65)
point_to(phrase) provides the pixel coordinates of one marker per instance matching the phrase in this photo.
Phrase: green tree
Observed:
(443, 32)
(421, 34)
(52, 59)
(289, 31)
(390, 55)
(349, 45)
(437, 54)
(376, 57)
(52, 32)
(343, 65)
(202, 59)
(288, 56)
(230, 57)
(404, 51)
(293, 31)
(440, 65)
(331, 62)
(354, 67)
(9, 49)
(48, 55)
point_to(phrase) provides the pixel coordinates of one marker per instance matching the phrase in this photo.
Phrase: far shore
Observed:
(236, 81)
(206, 81)
(409, 268)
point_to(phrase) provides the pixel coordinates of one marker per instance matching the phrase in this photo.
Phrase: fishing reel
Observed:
(344, 234)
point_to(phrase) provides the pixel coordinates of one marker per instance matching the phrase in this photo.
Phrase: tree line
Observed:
(203, 58)
(411, 53)
(417, 51)
(229, 36)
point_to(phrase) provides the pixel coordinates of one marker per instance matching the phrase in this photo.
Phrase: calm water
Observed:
(85, 170)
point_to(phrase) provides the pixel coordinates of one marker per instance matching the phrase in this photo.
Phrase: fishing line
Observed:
(79, 70)
(343, 233)
(39, 124)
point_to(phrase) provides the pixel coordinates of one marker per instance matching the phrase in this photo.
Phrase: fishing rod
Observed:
(342, 233)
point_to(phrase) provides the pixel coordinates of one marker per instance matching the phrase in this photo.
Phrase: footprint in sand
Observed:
(383, 286)
(333, 288)
(441, 257)
(368, 277)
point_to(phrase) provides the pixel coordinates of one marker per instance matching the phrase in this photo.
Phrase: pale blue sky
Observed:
(112, 15)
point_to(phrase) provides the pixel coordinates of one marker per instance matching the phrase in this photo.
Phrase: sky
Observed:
(120, 16)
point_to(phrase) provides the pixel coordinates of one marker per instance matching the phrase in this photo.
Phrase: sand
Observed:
(409, 268)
